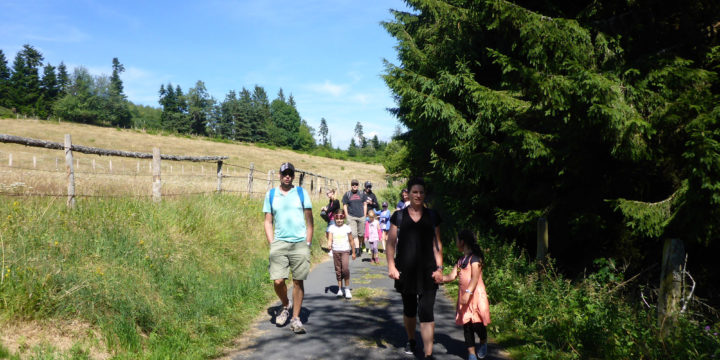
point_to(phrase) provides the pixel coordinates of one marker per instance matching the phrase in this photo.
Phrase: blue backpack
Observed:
(300, 193)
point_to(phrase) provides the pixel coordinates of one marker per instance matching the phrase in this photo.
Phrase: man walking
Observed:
(355, 209)
(290, 210)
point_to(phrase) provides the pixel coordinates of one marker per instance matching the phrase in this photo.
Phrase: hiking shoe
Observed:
(482, 352)
(340, 292)
(282, 317)
(348, 294)
(296, 326)
(410, 347)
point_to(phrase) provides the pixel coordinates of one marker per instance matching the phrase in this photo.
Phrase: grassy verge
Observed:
(538, 314)
(172, 280)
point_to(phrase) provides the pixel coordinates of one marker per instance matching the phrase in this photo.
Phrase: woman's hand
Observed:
(437, 275)
(353, 255)
(393, 272)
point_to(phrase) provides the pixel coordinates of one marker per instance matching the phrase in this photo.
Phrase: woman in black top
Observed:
(330, 209)
(417, 267)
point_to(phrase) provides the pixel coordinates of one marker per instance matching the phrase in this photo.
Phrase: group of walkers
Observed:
(410, 238)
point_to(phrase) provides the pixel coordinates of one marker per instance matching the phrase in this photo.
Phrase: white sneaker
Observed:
(330, 253)
(348, 294)
(340, 292)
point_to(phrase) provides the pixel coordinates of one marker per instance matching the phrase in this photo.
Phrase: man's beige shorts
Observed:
(289, 256)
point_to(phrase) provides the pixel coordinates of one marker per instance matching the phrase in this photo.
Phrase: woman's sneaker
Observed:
(296, 326)
(282, 317)
(348, 294)
(340, 293)
(410, 347)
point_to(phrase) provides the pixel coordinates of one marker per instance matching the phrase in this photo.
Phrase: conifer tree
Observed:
(200, 105)
(25, 79)
(49, 92)
(603, 117)
(260, 121)
(323, 132)
(4, 81)
(63, 77)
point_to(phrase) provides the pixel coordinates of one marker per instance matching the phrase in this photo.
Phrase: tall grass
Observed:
(538, 314)
(172, 280)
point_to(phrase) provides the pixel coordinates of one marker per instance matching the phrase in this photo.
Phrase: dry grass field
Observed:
(42, 171)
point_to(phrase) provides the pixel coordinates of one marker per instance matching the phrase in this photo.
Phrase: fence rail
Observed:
(235, 174)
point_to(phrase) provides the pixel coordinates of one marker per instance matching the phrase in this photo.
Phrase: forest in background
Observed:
(247, 115)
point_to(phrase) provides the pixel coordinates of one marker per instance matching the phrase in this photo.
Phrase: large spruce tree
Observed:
(602, 116)
(25, 80)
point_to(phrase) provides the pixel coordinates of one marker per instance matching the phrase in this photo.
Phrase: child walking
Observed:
(373, 234)
(339, 241)
(473, 308)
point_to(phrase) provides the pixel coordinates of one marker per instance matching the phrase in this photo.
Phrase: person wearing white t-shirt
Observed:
(339, 240)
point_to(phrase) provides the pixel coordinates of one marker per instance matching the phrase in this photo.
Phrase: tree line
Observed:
(247, 115)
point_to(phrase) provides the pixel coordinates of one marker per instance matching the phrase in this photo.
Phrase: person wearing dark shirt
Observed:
(416, 264)
(355, 207)
(370, 198)
(330, 209)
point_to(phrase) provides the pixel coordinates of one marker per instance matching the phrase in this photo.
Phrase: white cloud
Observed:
(329, 88)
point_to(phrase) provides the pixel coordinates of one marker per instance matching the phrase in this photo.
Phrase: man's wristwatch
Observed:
(468, 291)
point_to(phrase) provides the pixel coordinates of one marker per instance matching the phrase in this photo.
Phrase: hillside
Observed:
(240, 156)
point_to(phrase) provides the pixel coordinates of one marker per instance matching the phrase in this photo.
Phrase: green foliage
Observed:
(537, 314)
(172, 280)
(574, 112)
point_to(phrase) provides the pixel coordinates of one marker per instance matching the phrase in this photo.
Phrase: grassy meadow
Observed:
(120, 276)
(126, 278)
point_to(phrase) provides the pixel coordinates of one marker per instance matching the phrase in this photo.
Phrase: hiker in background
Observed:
(355, 208)
(404, 200)
(417, 268)
(384, 218)
(373, 234)
(370, 198)
(329, 211)
(289, 209)
(340, 242)
(473, 308)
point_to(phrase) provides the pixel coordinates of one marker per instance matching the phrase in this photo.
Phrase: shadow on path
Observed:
(368, 326)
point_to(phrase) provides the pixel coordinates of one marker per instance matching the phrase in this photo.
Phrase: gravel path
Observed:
(369, 326)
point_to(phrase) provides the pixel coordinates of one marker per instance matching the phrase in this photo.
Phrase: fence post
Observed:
(56, 164)
(10, 159)
(69, 171)
(34, 162)
(110, 165)
(671, 276)
(157, 182)
(137, 168)
(542, 239)
(219, 176)
(250, 178)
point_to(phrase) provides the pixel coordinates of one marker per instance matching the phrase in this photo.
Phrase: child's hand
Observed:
(353, 255)
(465, 298)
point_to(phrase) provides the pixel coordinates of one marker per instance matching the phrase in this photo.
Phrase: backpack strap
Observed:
(301, 194)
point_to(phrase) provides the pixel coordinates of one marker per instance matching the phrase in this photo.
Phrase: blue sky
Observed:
(326, 53)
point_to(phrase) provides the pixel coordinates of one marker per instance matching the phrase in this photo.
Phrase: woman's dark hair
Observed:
(467, 237)
(415, 181)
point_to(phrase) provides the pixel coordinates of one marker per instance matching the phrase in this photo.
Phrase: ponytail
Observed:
(468, 239)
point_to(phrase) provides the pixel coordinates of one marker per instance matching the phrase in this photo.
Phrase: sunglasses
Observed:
(288, 173)
(339, 216)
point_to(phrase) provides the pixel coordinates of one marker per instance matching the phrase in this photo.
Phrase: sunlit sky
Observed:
(327, 53)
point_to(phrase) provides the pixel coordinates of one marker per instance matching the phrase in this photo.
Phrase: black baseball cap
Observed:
(286, 166)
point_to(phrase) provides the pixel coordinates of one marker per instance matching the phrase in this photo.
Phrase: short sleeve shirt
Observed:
(355, 203)
(341, 241)
(288, 214)
(414, 256)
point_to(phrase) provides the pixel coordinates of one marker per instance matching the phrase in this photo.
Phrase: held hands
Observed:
(437, 275)
(353, 255)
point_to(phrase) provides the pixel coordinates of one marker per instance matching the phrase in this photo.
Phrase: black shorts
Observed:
(420, 305)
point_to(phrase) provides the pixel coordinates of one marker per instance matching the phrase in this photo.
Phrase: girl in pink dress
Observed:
(473, 308)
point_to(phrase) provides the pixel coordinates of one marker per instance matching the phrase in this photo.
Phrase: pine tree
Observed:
(200, 105)
(117, 108)
(25, 79)
(585, 114)
(4, 81)
(359, 135)
(260, 121)
(49, 92)
(323, 132)
(291, 101)
(63, 77)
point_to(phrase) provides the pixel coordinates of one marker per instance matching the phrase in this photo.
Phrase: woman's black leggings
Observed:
(419, 305)
(470, 329)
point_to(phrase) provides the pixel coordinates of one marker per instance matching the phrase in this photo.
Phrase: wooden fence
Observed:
(314, 183)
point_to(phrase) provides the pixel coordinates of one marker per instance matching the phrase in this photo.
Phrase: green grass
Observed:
(178, 279)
